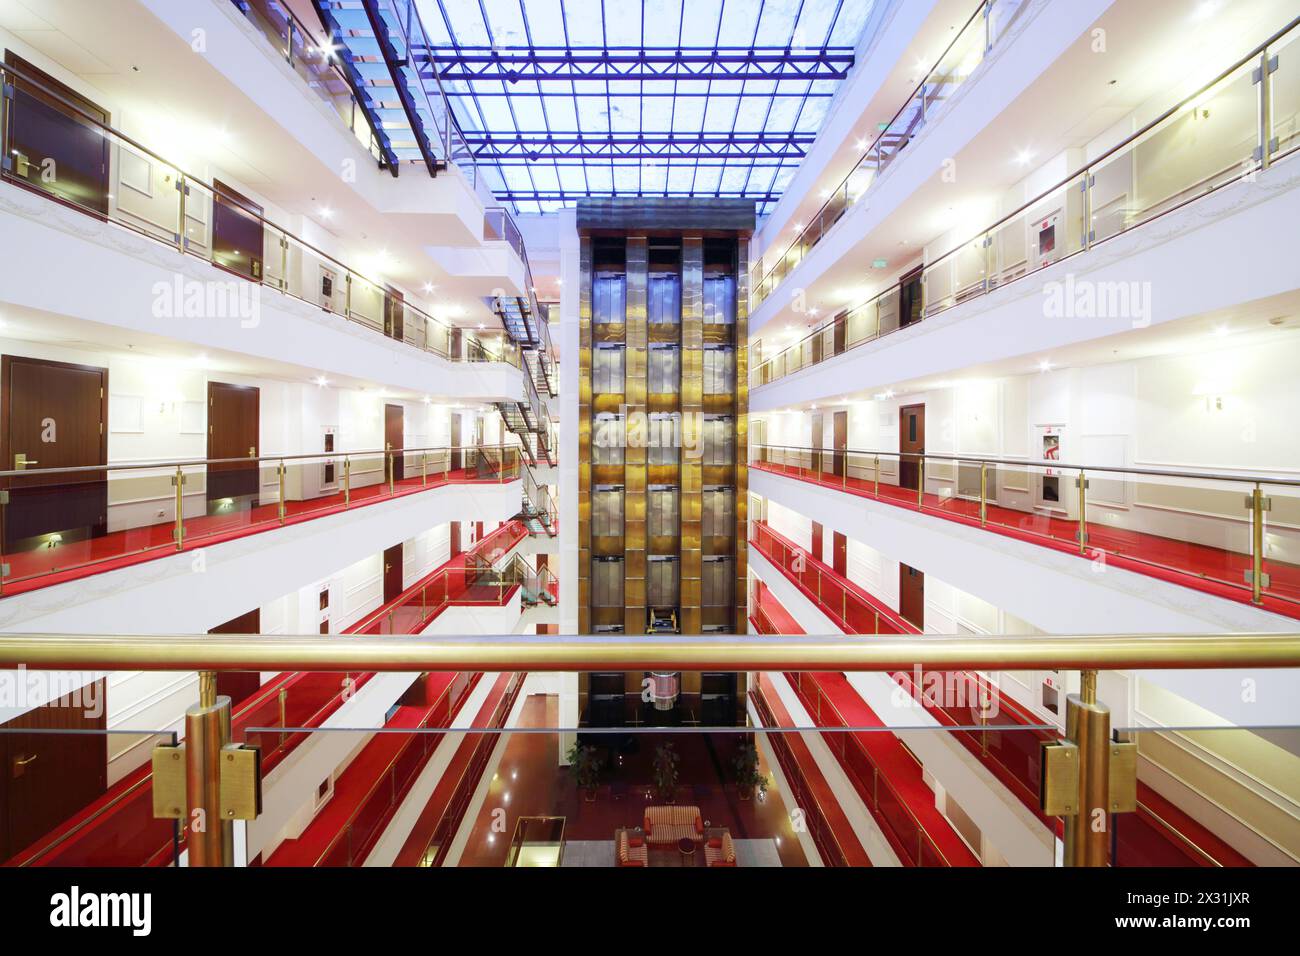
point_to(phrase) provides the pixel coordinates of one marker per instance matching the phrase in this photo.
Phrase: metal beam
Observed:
(270, 652)
(514, 64)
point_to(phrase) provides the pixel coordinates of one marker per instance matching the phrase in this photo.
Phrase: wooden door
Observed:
(233, 429)
(55, 145)
(46, 776)
(909, 298)
(457, 456)
(394, 313)
(816, 547)
(236, 232)
(818, 434)
(840, 554)
(53, 415)
(454, 539)
(841, 439)
(841, 332)
(911, 595)
(911, 444)
(392, 573)
(394, 429)
(239, 685)
(456, 338)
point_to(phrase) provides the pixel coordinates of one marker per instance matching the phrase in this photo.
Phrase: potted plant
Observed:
(665, 771)
(749, 779)
(584, 764)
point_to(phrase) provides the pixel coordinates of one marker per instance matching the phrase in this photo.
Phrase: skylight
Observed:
(561, 99)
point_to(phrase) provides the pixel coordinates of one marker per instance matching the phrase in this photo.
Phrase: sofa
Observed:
(720, 851)
(665, 825)
(630, 849)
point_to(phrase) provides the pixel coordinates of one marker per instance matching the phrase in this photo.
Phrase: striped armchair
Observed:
(629, 855)
(670, 824)
(723, 854)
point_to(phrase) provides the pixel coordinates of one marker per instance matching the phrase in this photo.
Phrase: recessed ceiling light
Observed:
(325, 212)
(1045, 366)
(1025, 157)
(322, 381)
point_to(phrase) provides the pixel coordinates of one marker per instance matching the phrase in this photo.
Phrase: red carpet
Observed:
(429, 840)
(1009, 747)
(836, 840)
(30, 570)
(1210, 570)
(118, 829)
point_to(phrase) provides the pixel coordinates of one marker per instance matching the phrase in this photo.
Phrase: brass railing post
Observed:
(424, 468)
(876, 473)
(1258, 504)
(391, 463)
(179, 533)
(209, 838)
(284, 708)
(347, 481)
(1087, 725)
(182, 188)
(920, 482)
(279, 471)
(1083, 513)
(984, 493)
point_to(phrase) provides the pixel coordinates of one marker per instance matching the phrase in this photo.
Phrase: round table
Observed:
(686, 847)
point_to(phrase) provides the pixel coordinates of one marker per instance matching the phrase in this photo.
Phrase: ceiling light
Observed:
(325, 212)
(429, 287)
(322, 381)
(1025, 157)
(1221, 330)
(861, 145)
(1045, 366)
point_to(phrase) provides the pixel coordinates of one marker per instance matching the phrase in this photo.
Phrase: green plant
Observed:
(749, 778)
(585, 765)
(665, 771)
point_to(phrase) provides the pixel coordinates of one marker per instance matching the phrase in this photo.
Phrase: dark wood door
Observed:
(817, 541)
(394, 313)
(841, 439)
(818, 437)
(236, 232)
(911, 444)
(233, 429)
(239, 685)
(457, 457)
(55, 145)
(392, 573)
(911, 595)
(841, 332)
(47, 777)
(455, 340)
(454, 539)
(53, 416)
(909, 298)
(394, 429)
(840, 554)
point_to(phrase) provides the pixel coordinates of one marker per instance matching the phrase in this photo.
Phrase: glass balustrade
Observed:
(768, 769)
(63, 523)
(156, 198)
(1210, 140)
(1205, 530)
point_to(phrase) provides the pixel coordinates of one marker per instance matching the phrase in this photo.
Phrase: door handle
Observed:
(20, 764)
(252, 451)
(21, 461)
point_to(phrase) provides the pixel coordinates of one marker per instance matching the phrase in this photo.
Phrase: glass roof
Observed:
(560, 99)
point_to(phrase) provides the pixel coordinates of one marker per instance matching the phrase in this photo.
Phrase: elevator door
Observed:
(233, 426)
(53, 417)
(911, 444)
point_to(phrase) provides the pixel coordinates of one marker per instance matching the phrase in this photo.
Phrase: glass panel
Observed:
(1281, 555)
(1285, 94)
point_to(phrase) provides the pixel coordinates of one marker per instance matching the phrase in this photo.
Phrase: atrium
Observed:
(650, 434)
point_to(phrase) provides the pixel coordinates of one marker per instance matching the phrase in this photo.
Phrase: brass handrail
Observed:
(273, 652)
(323, 457)
(829, 453)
